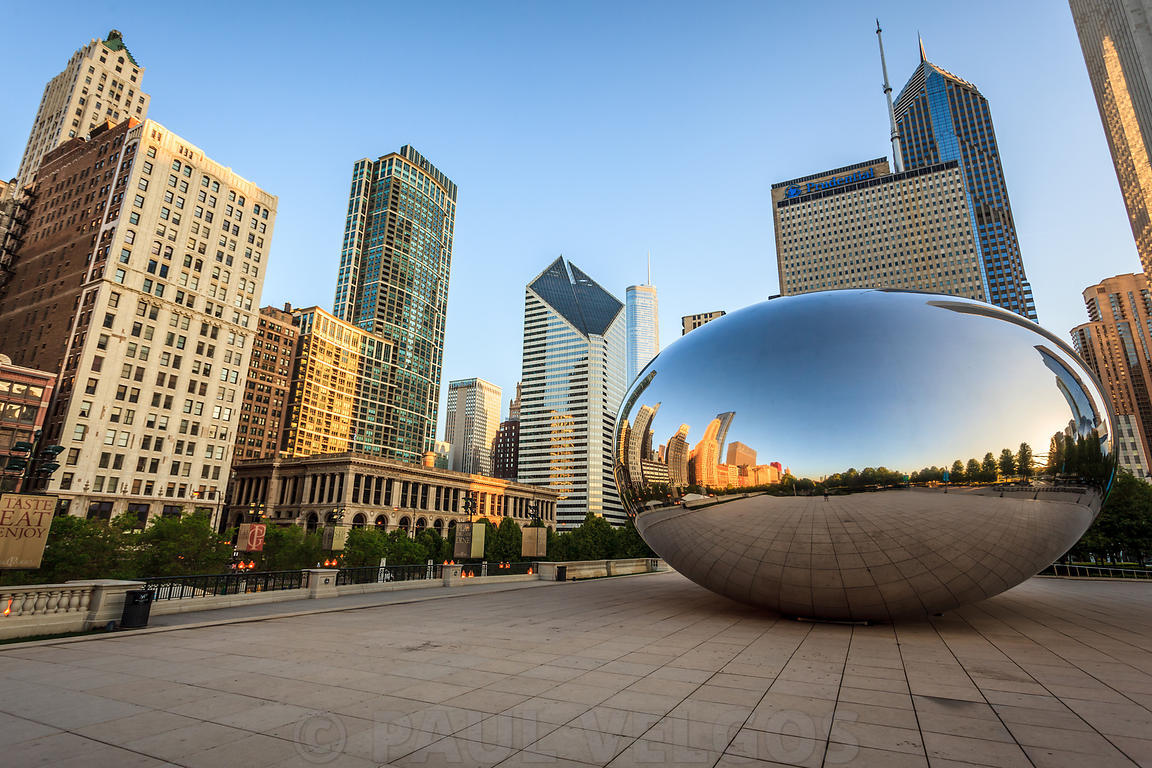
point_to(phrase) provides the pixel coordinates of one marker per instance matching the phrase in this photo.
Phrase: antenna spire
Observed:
(923, 56)
(897, 154)
(649, 266)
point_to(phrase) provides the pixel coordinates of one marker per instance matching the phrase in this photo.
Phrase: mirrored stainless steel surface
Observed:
(800, 454)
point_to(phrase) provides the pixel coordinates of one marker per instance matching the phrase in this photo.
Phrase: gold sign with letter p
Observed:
(24, 523)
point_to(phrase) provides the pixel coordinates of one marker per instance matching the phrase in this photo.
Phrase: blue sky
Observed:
(596, 130)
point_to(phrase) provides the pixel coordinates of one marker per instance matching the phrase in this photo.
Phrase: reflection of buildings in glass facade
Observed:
(393, 281)
(340, 389)
(1113, 36)
(1115, 344)
(862, 227)
(573, 384)
(643, 327)
(941, 118)
(471, 423)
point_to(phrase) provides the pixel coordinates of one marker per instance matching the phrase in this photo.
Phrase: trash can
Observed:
(561, 573)
(137, 606)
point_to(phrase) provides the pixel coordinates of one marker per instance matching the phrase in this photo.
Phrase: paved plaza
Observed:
(643, 670)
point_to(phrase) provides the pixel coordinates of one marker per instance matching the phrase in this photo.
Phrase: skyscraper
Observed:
(506, 448)
(340, 396)
(862, 227)
(1116, 38)
(692, 322)
(1115, 344)
(147, 315)
(393, 281)
(643, 327)
(100, 82)
(942, 118)
(471, 423)
(262, 413)
(573, 384)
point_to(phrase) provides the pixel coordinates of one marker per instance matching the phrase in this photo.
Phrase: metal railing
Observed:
(380, 574)
(1095, 572)
(183, 587)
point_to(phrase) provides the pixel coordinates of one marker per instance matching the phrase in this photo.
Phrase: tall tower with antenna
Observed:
(642, 326)
(897, 155)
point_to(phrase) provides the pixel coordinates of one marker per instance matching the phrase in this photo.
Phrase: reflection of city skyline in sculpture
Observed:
(677, 465)
(880, 394)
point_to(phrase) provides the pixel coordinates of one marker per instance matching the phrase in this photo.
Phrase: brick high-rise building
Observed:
(1115, 343)
(136, 281)
(506, 448)
(263, 413)
(102, 81)
(692, 322)
(341, 388)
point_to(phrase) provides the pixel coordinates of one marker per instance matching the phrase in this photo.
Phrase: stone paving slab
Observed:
(642, 671)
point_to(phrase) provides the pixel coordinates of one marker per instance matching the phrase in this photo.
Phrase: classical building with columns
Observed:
(368, 490)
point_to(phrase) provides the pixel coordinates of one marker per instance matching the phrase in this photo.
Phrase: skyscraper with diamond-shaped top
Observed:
(573, 383)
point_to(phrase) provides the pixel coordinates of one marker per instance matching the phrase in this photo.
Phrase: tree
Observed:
(972, 471)
(988, 468)
(594, 539)
(403, 550)
(433, 544)
(1055, 463)
(957, 472)
(182, 546)
(1007, 463)
(365, 547)
(506, 541)
(290, 547)
(629, 543)
(1024, 461)
(1123, 531)
(78, 549)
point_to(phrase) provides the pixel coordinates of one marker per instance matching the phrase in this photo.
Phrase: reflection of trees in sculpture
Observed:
(1024, 461)
(1007, 463)
(1080, 457)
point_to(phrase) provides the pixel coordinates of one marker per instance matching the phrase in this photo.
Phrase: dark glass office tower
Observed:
(940, 118)
(393, 281)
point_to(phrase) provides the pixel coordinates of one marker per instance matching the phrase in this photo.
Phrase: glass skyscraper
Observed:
(573, 385)
(643, 327)
(393, 281)
(1116, 38)
(941, 118)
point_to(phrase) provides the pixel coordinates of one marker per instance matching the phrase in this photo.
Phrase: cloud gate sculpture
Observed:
(864, 454)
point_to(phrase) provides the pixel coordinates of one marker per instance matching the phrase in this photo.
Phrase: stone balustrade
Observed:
(49, 609)
(78, 606)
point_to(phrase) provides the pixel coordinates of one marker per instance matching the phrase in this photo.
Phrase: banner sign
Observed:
(335, 536)
(251, 537)
(469, 540)
(534, 543)
(24, 523)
